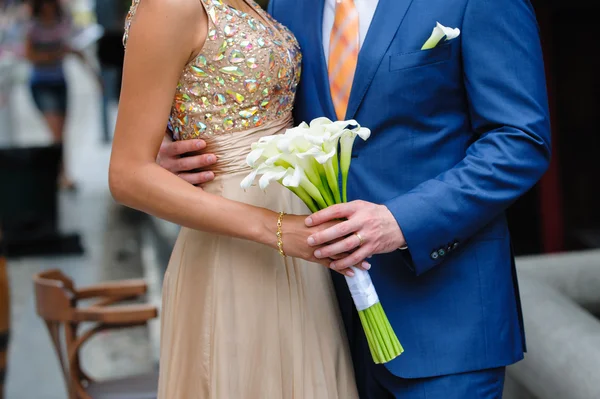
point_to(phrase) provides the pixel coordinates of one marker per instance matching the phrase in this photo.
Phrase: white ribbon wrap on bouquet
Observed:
(362, 289)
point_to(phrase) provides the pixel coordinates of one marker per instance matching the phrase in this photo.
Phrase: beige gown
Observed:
(239, 321)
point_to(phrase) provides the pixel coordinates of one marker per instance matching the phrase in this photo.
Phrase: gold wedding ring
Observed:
(360, 239)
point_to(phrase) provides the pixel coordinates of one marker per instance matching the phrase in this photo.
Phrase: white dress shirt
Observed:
(366, 10)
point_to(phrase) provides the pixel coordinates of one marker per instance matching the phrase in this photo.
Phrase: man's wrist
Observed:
(402, 245)
(401, 241)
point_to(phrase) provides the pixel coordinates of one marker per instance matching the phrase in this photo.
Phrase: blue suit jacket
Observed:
(458, 133)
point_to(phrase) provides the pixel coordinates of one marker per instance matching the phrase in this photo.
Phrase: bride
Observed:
(240, 319)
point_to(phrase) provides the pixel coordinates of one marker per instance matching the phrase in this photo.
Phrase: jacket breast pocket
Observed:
(420, 58)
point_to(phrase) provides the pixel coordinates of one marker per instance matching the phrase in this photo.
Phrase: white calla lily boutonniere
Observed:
(439, 32)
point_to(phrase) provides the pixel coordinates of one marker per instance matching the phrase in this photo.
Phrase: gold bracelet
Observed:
(280, 234)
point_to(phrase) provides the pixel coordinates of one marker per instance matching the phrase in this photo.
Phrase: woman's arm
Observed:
(164, 36)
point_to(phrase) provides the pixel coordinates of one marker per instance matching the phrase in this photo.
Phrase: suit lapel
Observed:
(381, 33)
(317, 57)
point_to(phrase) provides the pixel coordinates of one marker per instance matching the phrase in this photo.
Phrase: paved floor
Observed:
(111, 236)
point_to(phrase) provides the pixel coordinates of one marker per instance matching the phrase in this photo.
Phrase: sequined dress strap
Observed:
(128, 19)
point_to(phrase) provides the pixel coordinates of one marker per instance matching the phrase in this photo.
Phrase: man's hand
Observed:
(369, 229)
(182, 159)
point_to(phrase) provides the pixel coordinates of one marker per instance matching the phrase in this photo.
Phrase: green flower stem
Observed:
(383, 343)
(372, 314)
(378, 333)
(303, 195)
(397, 348)
(346, 144)
(311, 172)
(333, 181)
(336, 166)
(314, 192)
(368, 333)
(283, 164)
(376, 336)
(382, 323)
(375, 352)
(344, 188)
(326, 192)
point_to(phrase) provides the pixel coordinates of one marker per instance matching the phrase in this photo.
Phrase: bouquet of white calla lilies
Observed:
(308, 160)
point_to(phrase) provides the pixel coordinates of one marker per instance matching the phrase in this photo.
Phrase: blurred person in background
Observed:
(13, 16)
(47, 45)
(110, 14)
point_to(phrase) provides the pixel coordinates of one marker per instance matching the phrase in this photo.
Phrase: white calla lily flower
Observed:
(320, 122)
(270, 171)
(296, 178)
(265, 148)
(295, 142)
(292, 181)
(249, 180)
(270, 175)
(293, 178)
(439, 32)
(364, 133)
(254, 156)
(346, 144)
(312, 152)
(324, 157)
(339, 126)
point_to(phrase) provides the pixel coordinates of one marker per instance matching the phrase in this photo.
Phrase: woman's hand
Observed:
(295, 241)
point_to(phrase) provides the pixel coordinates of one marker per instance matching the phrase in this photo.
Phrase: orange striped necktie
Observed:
(343, 54)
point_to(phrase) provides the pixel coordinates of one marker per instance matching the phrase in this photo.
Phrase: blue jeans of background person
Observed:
(50, 97)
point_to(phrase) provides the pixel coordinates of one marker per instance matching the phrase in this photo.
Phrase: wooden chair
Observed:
(57, 303)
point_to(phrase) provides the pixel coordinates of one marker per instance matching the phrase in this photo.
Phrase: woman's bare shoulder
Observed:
(169, 14)
(174, 21)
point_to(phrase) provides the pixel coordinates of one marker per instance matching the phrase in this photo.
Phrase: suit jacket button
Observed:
(455, 245)
(434, 255)
(442, 252)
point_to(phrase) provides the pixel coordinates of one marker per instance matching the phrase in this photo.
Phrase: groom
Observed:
(460, 131)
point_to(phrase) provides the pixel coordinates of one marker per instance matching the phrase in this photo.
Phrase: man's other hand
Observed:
(184, 158)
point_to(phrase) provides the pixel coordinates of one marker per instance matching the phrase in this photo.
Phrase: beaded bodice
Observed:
(245, 76)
